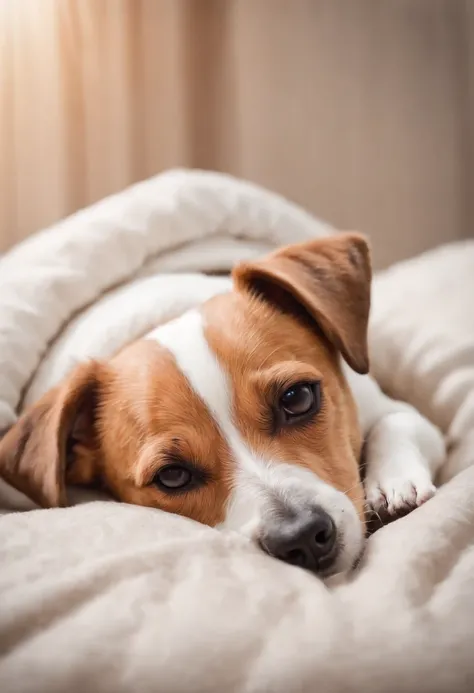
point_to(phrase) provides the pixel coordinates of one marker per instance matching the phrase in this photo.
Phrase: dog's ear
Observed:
(327, 280)
(55, 438)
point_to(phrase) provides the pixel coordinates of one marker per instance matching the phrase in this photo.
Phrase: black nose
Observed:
(308, 541)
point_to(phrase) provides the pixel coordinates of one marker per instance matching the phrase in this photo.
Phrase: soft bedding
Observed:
(107, 597)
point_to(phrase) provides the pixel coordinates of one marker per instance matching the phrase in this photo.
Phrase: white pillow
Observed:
(422, 341)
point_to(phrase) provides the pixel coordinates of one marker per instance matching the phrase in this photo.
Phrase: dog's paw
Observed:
(391, 497)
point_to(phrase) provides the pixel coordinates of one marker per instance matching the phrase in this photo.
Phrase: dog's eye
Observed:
(173, 477)
(299, 402)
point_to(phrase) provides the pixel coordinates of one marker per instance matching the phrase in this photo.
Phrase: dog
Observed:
(248, 414)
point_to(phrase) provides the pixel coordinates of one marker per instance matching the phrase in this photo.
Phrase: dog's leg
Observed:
(403, 450)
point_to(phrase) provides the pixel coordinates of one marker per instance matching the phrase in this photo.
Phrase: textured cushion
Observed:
(422, 341)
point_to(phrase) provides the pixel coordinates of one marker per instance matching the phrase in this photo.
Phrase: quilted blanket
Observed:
(105, 597)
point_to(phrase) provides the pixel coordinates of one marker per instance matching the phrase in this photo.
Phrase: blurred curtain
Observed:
(360, 110)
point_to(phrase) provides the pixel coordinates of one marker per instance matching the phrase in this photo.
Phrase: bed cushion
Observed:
(422, 341)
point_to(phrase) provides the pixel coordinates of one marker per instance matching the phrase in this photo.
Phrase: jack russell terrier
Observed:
(247, 414)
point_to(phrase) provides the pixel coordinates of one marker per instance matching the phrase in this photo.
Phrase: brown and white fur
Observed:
(205, 391)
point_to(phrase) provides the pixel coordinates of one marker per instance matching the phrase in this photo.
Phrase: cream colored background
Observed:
(361, 110)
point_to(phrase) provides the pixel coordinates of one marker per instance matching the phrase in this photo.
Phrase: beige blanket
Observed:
(109, 597)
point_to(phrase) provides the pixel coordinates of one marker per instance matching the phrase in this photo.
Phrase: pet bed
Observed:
(107, 597)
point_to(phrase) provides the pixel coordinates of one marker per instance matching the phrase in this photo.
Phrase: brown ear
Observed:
(34, 453)
(326, 279)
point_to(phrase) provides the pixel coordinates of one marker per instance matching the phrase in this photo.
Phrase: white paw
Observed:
(392, 496)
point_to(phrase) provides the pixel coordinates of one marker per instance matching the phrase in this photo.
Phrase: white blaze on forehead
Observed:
(185, 339)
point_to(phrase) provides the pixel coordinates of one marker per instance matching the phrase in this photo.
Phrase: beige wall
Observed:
(360, 110)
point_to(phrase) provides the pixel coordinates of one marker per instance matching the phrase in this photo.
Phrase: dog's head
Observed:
(236, 415)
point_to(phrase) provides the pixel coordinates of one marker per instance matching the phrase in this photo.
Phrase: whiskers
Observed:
(359, 483)
(372, 520)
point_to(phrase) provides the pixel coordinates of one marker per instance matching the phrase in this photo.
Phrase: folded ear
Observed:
(327, 280)
(58, 430)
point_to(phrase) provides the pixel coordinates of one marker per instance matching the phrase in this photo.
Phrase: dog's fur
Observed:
(203, 389)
